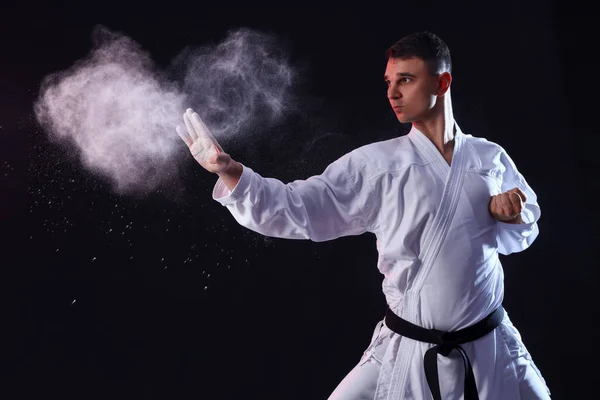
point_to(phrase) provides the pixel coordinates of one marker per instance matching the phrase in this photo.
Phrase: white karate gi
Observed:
(438, 251)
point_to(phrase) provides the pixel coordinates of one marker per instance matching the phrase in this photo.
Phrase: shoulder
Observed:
(483, 145)
(387, 155)
(484, 153)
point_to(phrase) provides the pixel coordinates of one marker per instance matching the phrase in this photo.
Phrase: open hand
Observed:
(508, 206)
(202, 144)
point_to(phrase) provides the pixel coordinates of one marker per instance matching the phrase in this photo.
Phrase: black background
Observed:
(206, 309)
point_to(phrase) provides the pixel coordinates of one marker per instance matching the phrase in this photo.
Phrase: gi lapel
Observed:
(436, 233)
(401, 354)
(428, 151)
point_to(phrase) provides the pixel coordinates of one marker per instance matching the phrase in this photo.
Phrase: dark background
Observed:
(178, 301)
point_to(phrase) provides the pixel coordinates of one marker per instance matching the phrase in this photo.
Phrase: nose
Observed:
(393, 93)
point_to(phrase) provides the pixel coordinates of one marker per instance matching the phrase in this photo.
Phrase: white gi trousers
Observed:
(360, 383)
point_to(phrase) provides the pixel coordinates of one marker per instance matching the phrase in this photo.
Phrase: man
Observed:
(443, 205)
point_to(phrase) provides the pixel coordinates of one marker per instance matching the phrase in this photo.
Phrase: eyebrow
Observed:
(403, 74)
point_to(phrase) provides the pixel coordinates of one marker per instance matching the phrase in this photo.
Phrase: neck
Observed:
(438, 126)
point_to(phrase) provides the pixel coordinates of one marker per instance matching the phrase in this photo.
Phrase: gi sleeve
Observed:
(320, 208)
(513, 238)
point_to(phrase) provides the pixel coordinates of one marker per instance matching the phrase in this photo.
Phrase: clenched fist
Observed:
(508, 206)
(202, 144)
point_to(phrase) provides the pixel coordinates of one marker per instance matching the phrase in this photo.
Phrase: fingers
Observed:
(201, 128)
(498, 204)
(507, 204)
(520, 193)
(515, 200)
(184, 135)
(203, 133)
(197, 125)
(190, 127)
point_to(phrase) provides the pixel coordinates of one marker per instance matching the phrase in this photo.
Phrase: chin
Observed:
(403, 119)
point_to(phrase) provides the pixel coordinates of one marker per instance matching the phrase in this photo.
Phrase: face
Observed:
(412, 91)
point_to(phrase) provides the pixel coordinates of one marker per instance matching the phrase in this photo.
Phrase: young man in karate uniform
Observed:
(443, 205)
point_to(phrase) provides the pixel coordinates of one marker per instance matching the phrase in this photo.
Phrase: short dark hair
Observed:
(426, 46)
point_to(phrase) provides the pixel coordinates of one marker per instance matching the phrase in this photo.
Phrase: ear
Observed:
(444, 81)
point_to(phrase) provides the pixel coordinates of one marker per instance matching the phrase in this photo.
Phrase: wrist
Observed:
(234, 168)
(231, 175)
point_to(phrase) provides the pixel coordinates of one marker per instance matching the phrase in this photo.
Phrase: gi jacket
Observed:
(438, 246)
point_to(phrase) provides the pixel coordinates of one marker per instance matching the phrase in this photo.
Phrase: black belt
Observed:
(445, 342)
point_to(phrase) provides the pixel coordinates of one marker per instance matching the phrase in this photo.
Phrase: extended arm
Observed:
(322, 207)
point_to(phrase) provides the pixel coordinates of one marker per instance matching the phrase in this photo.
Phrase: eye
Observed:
(405, 79)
